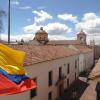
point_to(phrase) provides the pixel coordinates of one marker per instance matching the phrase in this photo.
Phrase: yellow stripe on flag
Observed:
(11, 60)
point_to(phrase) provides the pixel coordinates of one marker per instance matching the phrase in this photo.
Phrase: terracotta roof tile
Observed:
(36, 54)
(84, 48)
(64, 42)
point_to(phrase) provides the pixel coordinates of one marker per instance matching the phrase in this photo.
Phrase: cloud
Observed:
(41, 16)
(25, 7)
(14, 2)
(89, 16)
(26, 37)
(68, 17)
(57, 28)
(96, 39)
(89, 23)
(51, 28)
(60, 37)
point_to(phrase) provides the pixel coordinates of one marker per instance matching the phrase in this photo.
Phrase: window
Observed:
(60, 72)
(50, 78)
(50, 96)
(33, 92)
(64, 64)
(68, 82)
(75, 63)
(80, 38)
(68, 68)
(40, 37)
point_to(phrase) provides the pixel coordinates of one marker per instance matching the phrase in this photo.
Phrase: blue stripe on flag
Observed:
(15, 78)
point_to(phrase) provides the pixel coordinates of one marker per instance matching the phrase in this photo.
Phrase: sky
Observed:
(62, 19)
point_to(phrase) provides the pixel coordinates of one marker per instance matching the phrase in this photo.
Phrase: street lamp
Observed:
(9, 22)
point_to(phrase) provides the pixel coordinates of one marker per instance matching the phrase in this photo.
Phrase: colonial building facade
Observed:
(54, 70)
(86, 57)
(93, 90)
(53, 77)
(53, 65)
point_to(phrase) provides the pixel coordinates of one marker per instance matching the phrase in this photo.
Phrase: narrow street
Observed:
(76, 90)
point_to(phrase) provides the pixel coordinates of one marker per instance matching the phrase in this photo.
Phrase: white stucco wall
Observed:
(20, 96)
(86, 61)
(89, 60)
(40, 71)
(81, 62)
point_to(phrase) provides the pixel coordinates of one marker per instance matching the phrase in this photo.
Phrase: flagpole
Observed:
(9, 22)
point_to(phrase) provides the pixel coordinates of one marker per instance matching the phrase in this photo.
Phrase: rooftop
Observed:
(64, 42)
(96, 71)
(83, 48)
(37, 54)
(90, 93)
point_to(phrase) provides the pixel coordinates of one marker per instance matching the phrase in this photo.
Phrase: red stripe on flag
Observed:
(8, 87)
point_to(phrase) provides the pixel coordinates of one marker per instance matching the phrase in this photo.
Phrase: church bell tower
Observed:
(81, 36)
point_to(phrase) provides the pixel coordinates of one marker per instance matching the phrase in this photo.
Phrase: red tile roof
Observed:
(84, 48)
(64, 42)
(36, 54)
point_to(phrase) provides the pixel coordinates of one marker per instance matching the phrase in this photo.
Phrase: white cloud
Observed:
(57, 28)
(14, 2)
(90, 23)
(41, 16)
(96, 39)
(60, 37)
(31, 28)
(68, 17)
(26, 37)
(89, 16)
(52, 28)
(57, 37)
(25, 7)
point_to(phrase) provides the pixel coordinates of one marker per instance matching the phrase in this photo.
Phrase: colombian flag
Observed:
(13, 78)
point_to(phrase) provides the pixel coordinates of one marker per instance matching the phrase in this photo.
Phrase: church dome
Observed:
(41, 36)
(41, 32)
